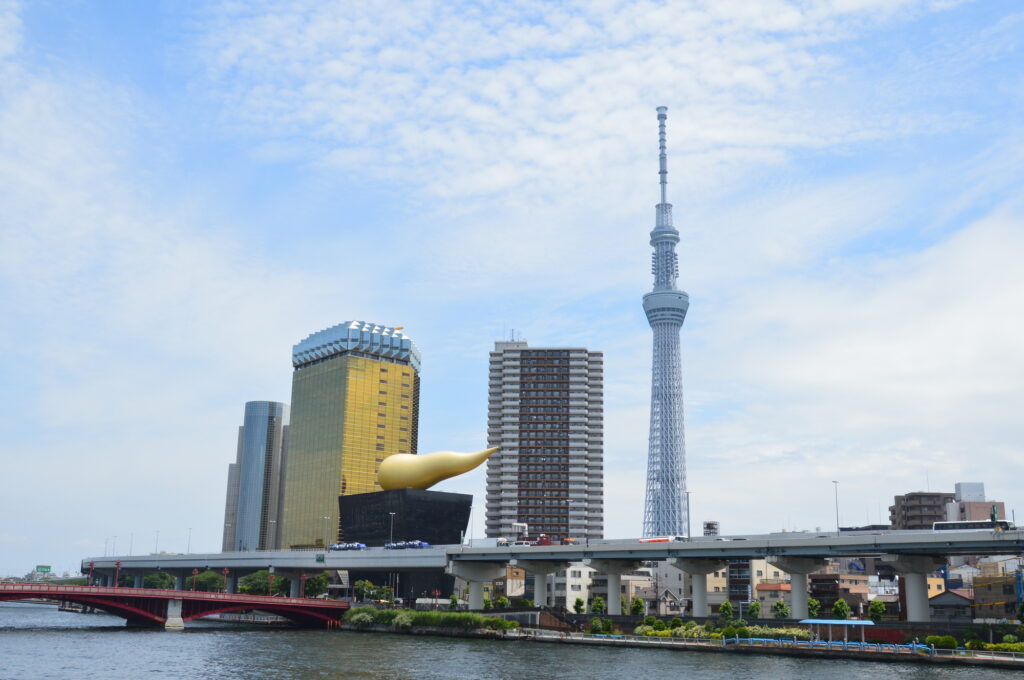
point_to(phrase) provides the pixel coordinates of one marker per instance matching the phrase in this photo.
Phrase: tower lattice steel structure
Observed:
(665, 511)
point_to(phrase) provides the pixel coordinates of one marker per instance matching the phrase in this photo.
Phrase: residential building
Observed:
(546, 412)
(829, 586)
(952, 606)
(919, 510)
(252, 510)
(999, 596)
(355, 401)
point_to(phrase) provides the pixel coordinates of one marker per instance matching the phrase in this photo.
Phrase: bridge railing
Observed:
(55, 591)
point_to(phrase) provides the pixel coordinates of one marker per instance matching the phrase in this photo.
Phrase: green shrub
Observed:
(360, 619)
(725, 610)
(659, 625)
(941, 641)
(596, 625)
(1006, 647)
(743, 632)
(403, 620)
(716, 636)
(643, 629)
(689, 624)
(1010, 639)
(728, 632)
(975, 644)
(649, 620)
(675, 622)
(502, 602)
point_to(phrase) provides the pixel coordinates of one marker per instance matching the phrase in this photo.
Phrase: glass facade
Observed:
(259, 474)
(355, 401)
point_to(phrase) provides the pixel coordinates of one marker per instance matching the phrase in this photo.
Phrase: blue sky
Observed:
(187, 190)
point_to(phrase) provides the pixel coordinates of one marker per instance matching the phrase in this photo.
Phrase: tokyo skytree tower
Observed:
(665, 511)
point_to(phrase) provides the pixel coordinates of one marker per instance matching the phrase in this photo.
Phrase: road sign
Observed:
(42, 569)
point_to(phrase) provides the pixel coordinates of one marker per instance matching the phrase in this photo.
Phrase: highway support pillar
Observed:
(232, 583)
(613, 569)
(914, 570)
(476, 574)
(174, 621)
(540, 570)
(698, 568)
(798, 568)
(138, 577)
(179, 580)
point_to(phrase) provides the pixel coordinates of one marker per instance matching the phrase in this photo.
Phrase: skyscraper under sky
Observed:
(665, 511)
(252, 511)
(546, 412)
(355, 401)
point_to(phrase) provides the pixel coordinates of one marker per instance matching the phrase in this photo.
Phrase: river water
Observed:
(37, 641)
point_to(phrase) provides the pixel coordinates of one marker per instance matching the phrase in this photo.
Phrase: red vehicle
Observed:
(539, 539)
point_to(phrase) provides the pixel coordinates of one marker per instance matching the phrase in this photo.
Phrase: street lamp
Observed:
(188, 544)
(688, 535)
(391, 533)
(835, 485)
(195, 575)
(225, 571)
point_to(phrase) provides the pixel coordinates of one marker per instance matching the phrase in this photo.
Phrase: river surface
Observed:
(37, 641)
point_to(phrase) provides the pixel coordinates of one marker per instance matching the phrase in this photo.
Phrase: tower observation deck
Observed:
(665, 510)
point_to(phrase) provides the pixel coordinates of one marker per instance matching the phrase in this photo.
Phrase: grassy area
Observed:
(402, 619)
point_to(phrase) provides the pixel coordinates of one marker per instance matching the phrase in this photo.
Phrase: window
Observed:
(759, 572)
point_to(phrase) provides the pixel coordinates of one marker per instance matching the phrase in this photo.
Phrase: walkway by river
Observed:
(37, 641)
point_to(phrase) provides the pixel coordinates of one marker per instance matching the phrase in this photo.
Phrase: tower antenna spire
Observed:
(662, 154)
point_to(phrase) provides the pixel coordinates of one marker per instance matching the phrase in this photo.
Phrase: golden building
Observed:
(355, 401)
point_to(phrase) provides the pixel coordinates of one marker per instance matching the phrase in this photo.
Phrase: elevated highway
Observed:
(913, 553)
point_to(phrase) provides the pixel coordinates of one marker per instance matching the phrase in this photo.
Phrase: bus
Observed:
(998, 525)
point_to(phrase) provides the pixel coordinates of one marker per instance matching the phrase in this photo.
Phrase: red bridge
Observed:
(172, 608)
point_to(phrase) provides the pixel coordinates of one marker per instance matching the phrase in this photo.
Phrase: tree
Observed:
(258, 582)
(317, 585)
(725, 610)
(637, 607)
(781, 610)
(363, 589)
(579, 605)
(754, 609)
(488, 604)
(453, 602)
(502, 602)
(209, 582)
(160, 579)
(813, 607)
(623, 607)
(840, 609)
(876, 610)
(597, 605)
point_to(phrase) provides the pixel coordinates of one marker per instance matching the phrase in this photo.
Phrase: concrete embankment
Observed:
(897, 655)
(987, 659)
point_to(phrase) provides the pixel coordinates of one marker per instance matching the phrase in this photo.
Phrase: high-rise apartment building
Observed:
(252, 510)
(355, 401)
(919, 510)
(546, 412)
(665, 510)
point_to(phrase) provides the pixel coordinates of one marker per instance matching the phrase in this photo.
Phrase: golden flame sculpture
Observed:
(409, 471)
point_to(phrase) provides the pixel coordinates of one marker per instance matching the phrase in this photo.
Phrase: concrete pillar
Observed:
(613, 569)
(540, 570)
(540, 589)
(476, 595)
(138, 579)
(699, 585)
(914, 570)
(296, 586)
(798, 568)
(174, 621)
(476, 574)
(179, 581)
(232, 583)
(614, 593)
(698, 568)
